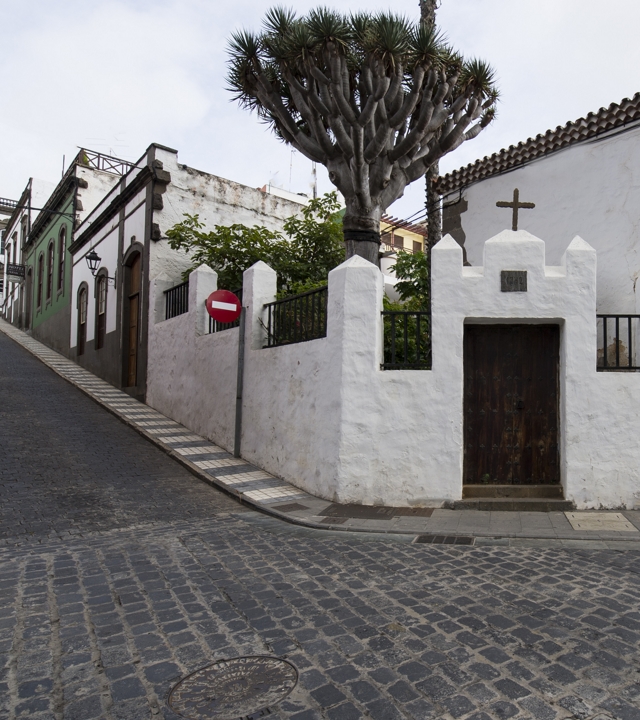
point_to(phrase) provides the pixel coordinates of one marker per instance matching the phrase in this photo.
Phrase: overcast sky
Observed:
(114, 76)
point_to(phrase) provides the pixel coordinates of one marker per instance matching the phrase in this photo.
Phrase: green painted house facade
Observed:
(48, 262)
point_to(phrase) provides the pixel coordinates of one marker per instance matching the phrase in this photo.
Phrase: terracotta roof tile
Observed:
(615, 116)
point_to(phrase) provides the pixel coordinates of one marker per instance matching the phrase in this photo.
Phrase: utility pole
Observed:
(434, 212)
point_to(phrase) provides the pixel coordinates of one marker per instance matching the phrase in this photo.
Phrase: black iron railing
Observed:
(107, 163)
(617, 338)
(176, 300)
(215, 326)
(407, 340)
(297, 318)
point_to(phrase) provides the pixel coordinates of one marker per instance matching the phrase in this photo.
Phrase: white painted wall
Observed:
(216, 201)
(322, 414)
(591, 189)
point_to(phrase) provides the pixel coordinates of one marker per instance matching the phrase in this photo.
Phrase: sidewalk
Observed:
(269, 494)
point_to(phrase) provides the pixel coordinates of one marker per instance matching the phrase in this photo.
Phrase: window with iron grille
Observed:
(50, 257)
(62, 249)
(40, 279)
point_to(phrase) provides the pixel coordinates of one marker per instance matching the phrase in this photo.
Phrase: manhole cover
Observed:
(232, 689)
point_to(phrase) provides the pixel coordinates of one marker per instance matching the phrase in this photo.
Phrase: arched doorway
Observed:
(133, 284)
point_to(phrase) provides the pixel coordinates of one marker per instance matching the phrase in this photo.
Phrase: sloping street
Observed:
(121, 573)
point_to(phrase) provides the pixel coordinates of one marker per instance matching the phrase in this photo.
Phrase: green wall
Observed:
(59, 299)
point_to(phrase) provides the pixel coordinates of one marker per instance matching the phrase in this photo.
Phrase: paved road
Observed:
(120, 573)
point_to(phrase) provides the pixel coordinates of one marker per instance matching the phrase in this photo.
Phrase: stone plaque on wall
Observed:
(513, 281)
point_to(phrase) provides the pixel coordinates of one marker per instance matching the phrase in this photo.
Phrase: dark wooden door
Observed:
(511, 389)
(133, 320)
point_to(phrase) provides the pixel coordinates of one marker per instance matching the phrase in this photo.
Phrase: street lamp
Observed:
(93, 261)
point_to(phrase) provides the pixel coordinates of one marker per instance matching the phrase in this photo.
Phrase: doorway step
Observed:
(520, 498)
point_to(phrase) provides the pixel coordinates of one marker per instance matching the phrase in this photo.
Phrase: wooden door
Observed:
(133, 321)
(511, 390)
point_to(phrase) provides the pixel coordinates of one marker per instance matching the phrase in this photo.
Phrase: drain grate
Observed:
(289, 507)
(445, 539)
(334, 521)
(232, 689)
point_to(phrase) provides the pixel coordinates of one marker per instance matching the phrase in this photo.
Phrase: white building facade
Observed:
(584, 179)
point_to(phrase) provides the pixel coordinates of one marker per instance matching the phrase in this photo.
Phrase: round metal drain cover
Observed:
(232, 689)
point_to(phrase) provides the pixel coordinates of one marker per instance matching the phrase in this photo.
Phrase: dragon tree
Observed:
(375, 98)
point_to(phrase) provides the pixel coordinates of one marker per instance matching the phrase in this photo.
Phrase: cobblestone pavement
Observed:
(121, 573)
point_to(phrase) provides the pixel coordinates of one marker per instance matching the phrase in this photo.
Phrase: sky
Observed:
(116, 75)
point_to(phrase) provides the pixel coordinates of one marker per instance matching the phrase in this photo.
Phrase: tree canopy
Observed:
(375, 98)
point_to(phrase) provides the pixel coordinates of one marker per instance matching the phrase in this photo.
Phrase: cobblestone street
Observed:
(121, 573)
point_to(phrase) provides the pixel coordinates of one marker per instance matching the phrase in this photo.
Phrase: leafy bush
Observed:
(312, 247)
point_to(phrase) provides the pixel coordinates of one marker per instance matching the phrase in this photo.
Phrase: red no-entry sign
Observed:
(224, 306)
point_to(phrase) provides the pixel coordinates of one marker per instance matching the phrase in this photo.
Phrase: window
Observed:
(82, 318)
(11, 257)
(398, 241)
(40, 279)
(101, 310)
(417, 246)
(23, 231)
(50, 254)
(62, 251)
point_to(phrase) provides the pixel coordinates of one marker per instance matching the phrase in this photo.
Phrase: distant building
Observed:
(115, 310)
(396, 234)
(18, 226)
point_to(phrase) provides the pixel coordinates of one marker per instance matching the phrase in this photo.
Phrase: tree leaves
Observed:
(311, 247)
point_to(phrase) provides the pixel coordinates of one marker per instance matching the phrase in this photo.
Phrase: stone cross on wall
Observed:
(516, 205)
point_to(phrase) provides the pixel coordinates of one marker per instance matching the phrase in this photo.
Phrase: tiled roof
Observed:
(615, 116)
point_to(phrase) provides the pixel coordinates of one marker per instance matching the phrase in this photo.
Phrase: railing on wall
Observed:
(176, 300)
(617, 343)
(407, 340)
(297, 318)
(106, 163)
(215, 326)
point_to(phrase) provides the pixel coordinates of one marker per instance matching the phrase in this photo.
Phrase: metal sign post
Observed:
(225, 307)
(238, 435)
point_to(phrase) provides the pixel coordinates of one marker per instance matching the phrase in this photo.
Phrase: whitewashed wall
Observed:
(217, 201)
(323, 415)
(591, 189)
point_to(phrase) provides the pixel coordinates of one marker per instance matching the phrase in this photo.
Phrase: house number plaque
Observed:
(513, 281)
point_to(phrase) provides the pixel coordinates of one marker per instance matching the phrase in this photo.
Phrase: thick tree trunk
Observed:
(434, 211)
(434, 214)
(428, 12)
(365, 243)
(361, 230)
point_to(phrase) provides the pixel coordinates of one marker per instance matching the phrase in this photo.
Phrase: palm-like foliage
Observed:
(373, 97)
